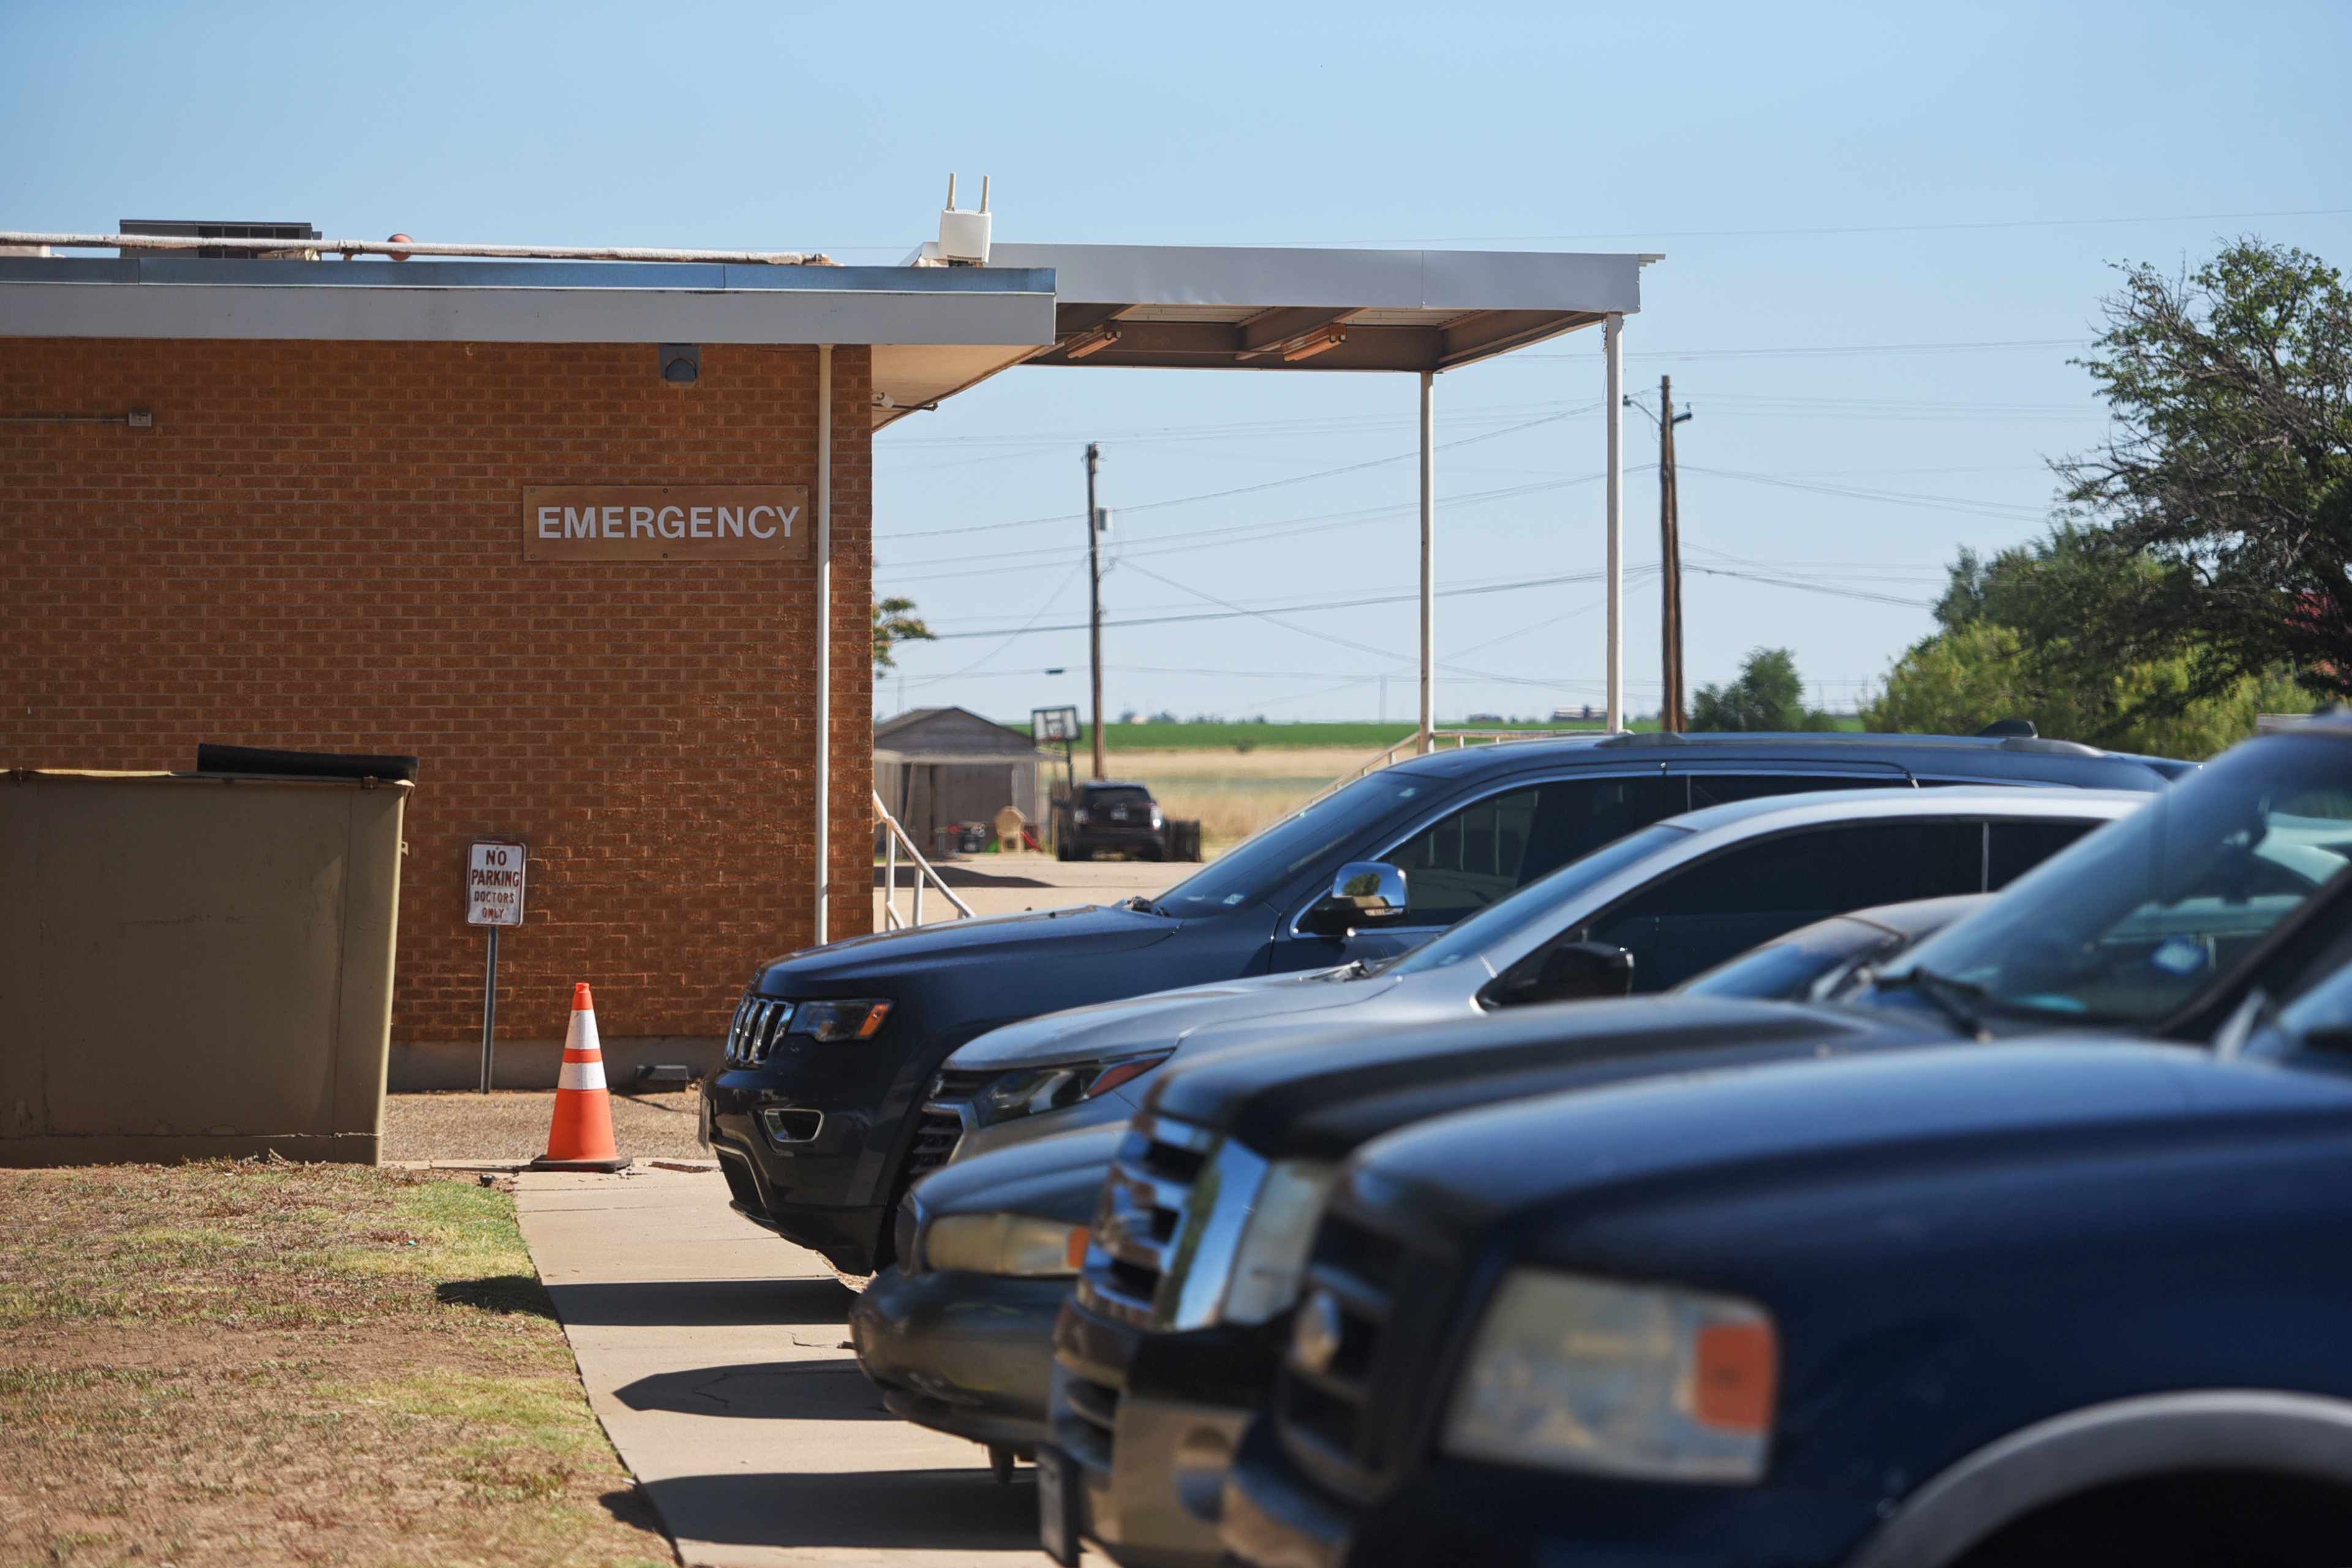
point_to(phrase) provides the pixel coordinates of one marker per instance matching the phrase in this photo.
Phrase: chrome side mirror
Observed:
(1365, 894)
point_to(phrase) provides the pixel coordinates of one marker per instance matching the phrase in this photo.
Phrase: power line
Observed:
(1236, 613)
(2011, 511)
(1245, 490)
(1852, 229)
(1207, 538)
(1818, 351)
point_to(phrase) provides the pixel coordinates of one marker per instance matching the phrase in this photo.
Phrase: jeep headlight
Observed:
(831, 1021)
(1027, 1091)
(1570, 1373)
(1004, 1244)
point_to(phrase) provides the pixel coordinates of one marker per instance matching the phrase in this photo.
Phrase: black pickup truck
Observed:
(814, 1116)
(2068, 1292)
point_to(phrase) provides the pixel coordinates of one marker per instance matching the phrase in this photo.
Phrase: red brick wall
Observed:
(316, 547)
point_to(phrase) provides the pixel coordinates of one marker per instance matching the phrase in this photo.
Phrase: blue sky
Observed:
(1887, 230)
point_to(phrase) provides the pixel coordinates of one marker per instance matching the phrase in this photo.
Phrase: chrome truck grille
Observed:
(1339, 1406)
(759, 1022)
(1146, 1202)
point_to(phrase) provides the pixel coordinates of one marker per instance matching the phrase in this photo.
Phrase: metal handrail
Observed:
(924, 870)
(1380, 760)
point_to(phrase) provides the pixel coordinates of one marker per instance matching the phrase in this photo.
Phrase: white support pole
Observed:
(824, 637)
(1428, 559)
(1614, 409)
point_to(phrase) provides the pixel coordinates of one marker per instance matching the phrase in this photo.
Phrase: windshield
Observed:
(1788, 970)
(2141, 916)
(1539, 901)
(1113, 795)
(1258, 867)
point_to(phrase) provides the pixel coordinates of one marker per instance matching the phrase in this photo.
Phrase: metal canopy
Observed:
(1225, 308)
(1234, 308)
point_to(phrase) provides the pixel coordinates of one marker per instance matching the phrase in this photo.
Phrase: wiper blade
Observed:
(1956, 999)
(1148, 907)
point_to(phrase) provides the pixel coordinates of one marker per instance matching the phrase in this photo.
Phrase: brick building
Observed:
(423, 507)
(280, 504)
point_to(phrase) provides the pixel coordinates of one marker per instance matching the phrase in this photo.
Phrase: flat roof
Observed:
(934, 330)
(1244, 307)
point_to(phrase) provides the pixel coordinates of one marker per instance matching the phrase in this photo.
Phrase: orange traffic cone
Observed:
(581, 1138)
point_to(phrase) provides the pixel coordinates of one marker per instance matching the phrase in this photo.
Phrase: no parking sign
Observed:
(494, 884)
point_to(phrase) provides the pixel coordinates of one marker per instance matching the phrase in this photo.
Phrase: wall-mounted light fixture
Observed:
(1094, 342)
(681, 363)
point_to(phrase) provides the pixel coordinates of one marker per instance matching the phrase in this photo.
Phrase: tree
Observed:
(2225, 493)
(895, 624)
(1767, 696)
(2023, 636)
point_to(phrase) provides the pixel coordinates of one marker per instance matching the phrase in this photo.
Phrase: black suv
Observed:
(1112, 814)
(814, 1114)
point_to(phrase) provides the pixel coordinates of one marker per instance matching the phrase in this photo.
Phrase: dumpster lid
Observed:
(255, 761)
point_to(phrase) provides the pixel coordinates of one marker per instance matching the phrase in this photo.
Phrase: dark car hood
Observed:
(2034, 1098)
(1056, 1177)
(1064, 933)
(1323, 1096)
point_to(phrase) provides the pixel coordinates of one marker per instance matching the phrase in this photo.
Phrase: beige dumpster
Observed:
(198, 965)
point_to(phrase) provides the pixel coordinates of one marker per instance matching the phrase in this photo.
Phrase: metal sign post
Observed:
(494, 890)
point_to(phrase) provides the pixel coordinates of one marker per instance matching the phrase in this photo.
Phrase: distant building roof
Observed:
(949, 735)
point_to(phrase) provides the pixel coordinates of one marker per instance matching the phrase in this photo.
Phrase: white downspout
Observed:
(825, 637)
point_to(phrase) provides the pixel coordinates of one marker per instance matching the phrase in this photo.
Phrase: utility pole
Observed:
(1094, 595)
(1670, 542)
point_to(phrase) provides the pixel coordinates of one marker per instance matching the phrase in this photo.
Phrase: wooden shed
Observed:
(934, 766)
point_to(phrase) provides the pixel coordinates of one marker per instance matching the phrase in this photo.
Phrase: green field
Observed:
(1275, 737)
(1366, 738)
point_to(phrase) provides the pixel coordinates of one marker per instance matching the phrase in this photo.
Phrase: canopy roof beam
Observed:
(1296, 338)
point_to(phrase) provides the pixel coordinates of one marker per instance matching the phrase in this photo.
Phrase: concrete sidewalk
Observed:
(717, 1357)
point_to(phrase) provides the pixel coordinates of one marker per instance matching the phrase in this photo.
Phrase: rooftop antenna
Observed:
(963, 236)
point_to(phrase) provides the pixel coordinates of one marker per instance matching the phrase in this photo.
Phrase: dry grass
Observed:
(271, 1363)
(1235, 794)
(511, 1124)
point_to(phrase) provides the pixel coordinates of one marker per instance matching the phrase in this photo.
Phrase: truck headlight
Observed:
(1271, 1256)
(1004, 1244)
(831, 1021)
(1570, 1373)
(1027, 1091)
